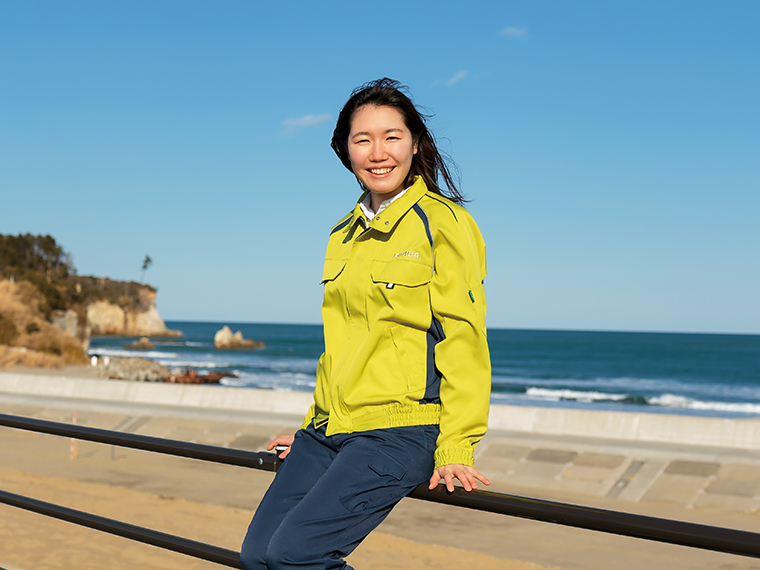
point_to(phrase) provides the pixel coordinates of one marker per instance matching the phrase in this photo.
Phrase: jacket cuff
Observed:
(448, 455)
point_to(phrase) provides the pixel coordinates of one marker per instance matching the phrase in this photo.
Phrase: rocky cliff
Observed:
(48, 309)
(105, 317)
(74, 323)
(26, 335)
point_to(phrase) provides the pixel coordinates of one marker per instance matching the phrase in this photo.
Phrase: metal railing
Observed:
(730, 541)
(145, 535)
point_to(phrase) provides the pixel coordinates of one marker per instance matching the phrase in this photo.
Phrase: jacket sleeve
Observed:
(458, 302)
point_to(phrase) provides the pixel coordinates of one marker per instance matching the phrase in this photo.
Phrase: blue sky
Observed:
(610, 150)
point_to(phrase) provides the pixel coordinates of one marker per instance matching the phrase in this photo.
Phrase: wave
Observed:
(287, 381)
(674, 401)
(639, 389)
(579, 396)
(193, 364)
(591, 399)
(286, 364)
(597, 382)
(152, 354)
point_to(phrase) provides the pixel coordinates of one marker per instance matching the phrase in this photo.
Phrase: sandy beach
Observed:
(213, 503)
(31, 541)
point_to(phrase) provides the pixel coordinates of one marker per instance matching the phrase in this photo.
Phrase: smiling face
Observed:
(380, 148)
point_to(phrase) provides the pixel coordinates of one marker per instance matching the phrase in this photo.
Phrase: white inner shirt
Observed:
(366, 204)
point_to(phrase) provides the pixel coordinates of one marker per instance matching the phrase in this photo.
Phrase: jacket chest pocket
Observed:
(401, 287)
(334, 297)
(331, 269)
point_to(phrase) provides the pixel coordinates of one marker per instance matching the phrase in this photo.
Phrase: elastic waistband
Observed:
(388, 416)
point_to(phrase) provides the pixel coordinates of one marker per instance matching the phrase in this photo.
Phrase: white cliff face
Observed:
(107, 318)
(149, 322)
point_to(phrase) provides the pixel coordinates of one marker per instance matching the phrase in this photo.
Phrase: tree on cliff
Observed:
(25, 253)
(147, 262)
(41, 261)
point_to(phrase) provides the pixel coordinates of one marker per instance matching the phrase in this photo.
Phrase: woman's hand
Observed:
(467, 475)
(286, 440)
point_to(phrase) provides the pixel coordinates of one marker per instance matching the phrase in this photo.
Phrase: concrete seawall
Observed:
(634, 427)
(629, 426)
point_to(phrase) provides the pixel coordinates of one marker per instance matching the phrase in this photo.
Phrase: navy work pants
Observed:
(331, 492)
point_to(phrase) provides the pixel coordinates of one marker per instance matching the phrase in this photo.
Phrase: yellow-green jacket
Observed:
(404, 322)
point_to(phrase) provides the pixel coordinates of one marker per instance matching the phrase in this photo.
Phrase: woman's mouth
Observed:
(379, 171)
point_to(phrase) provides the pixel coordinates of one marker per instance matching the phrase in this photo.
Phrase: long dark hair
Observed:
(428, 162)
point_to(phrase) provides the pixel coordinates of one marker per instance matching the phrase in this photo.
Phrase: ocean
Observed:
(694, 374)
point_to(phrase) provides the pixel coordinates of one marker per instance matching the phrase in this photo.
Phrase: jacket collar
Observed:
(386, 220)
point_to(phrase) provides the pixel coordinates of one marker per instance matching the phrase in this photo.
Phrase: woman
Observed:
(404, 383)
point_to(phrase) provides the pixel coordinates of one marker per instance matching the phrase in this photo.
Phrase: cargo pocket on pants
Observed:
(380, 485)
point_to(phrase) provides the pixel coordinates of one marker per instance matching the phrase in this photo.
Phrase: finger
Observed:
(482, 478)
(434, 480)
(474, 476)
(284, 454)
(449, 481)
(467, 481)
(280, 440)
(275, 442)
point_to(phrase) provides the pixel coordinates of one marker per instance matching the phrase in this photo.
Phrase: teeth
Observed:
(380, 170)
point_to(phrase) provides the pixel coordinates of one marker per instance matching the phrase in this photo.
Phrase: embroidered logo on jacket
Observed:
(413, 254)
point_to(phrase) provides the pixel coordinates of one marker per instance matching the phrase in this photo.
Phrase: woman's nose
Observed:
(378, 153)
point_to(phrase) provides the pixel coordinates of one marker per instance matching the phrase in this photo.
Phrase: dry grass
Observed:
(12, 356)
(46, 345)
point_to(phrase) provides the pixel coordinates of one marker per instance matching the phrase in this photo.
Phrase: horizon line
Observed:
(515, 329)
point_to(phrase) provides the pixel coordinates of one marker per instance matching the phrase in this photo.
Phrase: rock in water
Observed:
(142, 344)
(225, 340)
(223, 336)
